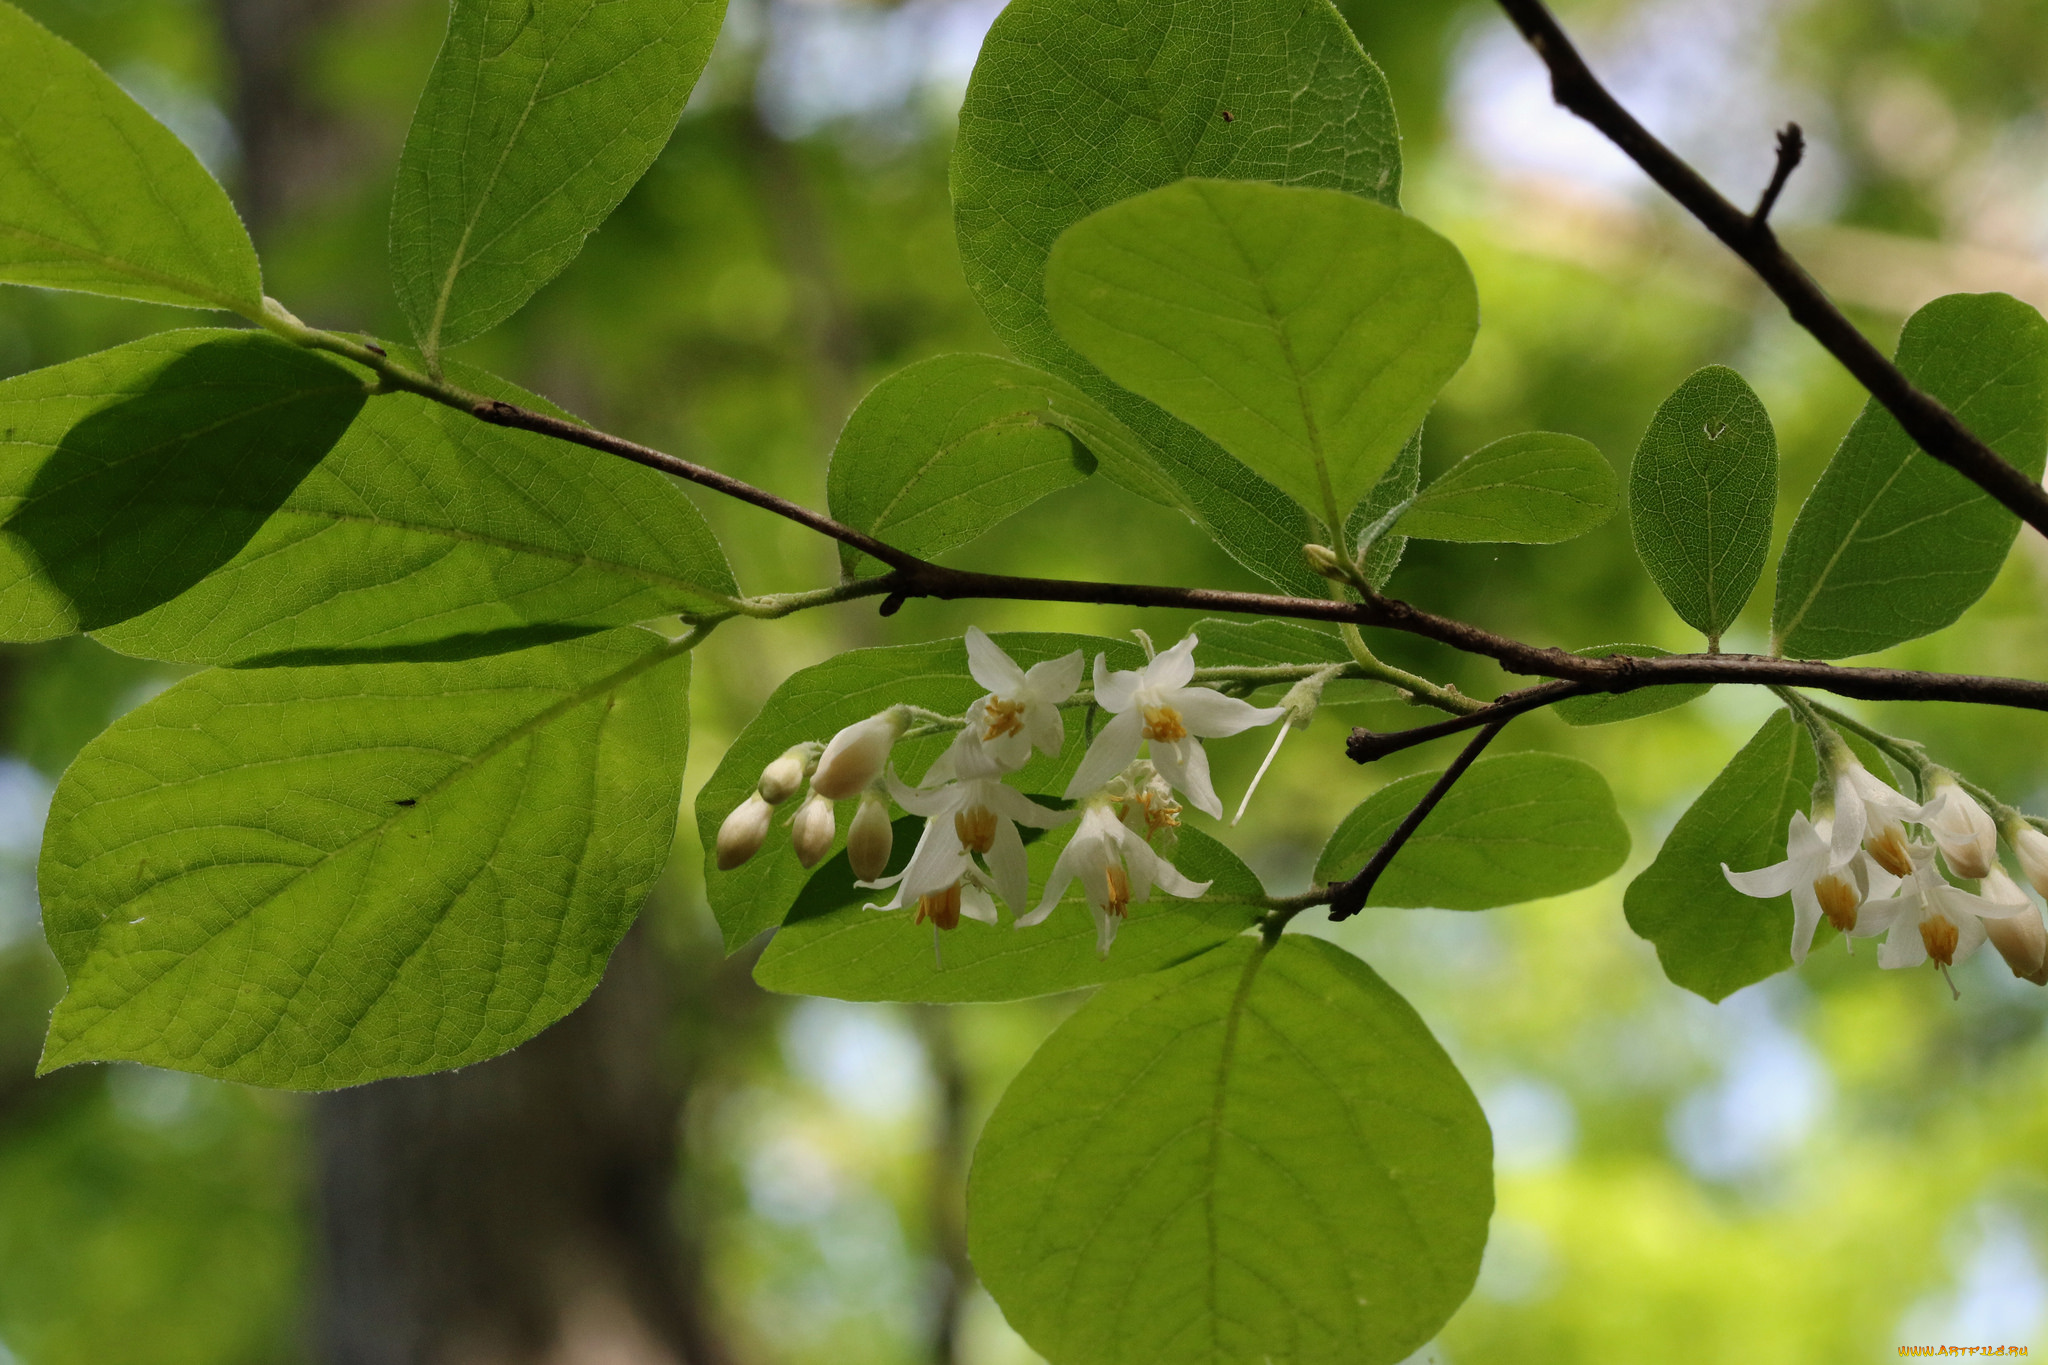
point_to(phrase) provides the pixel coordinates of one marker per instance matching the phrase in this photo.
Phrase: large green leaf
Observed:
(96, 195)
(1605, 708)
(940, 452)
(1076, 104)
(128, 476)
(314, 877)
(1515, 828)
(1400, 483)
(538, 117)
(814, 703)
(1701, 496)
(1710, 937)
(1534, 489)
(1306, 331)
(1259, 1155)
(426, 533)
(830, 945)
(1892, 545)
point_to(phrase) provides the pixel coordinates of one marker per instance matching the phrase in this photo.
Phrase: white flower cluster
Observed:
(1855, 864)
(970, 852)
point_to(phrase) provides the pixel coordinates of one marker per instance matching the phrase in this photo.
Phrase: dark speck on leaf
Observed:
(406, 801)
(1229, 117)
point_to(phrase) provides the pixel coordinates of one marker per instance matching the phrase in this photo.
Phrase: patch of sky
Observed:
(863, 1057)
(199, 123)
(1769, 1091)
(825, 62)
(1999, 1297)
(1519, 1265)
(24, 804)
(1534, 1124)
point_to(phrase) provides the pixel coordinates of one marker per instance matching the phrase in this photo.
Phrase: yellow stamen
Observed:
(1119, 885)
(1940, 935)
(942, 908)
(1839, 899)
(1161, 812)
(1004, 718)
(1163, 723)
(1888, 850)
(976, 827)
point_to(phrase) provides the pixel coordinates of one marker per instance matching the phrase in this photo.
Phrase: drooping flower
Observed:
(972, 814)
(743, 832)
(856, 755)
(1962, 829)
(1820, 887)
(2030, 846)
(1022, 708)
(811, 831)
(2021, 939)
(1930, 919)
(1114, 867)
(781, 779)
(1870, 813)
(1156, 705)
(1144, 802)
(870, 838)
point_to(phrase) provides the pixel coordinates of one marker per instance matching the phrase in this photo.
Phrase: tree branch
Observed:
(1348, 898)
(1369, 746)
(1791, 148)
(1933, 427)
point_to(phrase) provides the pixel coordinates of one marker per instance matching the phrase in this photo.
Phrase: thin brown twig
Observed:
(1791, 149)
(1932, 426)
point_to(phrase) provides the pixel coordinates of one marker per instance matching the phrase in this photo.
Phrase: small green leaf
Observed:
(1607, 708)
(1701, 496)
(1400, 483)
(1534, 489)
(538, 116)
(98, 196)
(942, 451)
(1305, 331)
(315, 877)
(1258, 1155)
(830, 945)
(1264, 643)
(1515, 828)
(1892, 545)
(130, 475)
(1712, 939)
(426, 533)
(815, 703)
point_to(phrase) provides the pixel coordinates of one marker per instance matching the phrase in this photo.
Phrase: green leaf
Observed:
(1258, 1155)
(1534, 489)
(1892, 545)
(128, 476)
(1305, 331)
(98, 196)
(1610, 707)
(1712, 939)
(1515, 828)
(941, 451)
(538, 117)
(830, 945)
(1400, 483)
(815, 703)
(425, 533)
(1076, 104)
(315, 877)
(1701, 496)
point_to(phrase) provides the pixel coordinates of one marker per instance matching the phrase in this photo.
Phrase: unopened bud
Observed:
(2022, 939)
(740, 837)
(810, 833)
(1324, 561)
(1962, 829)
(2030, 845)
(781, 779)
(854, 758)
(870, 837)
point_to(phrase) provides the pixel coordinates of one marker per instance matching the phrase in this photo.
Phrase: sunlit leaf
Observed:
(1534, 489)
(1608, 707)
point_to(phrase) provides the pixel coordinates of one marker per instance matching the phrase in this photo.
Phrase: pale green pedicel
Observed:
(1516, 828)
(1537, 488)
(96, 195)
(1892, 545)
(1076, 104)
(1257, 1155)
(1701, 496)
(830, 945)
(315, 877)
(537, 119)
(1305, 331)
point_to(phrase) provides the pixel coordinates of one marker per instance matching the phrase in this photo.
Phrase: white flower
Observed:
(1870, 813)
(1929, 918)
(2022, 939)
(1961, 828)
(870, 837)
(743, 832)
(973, 814)
(856, 755)
(1022, 708)
(1819, 886)
(2030, 845)
(1114, 867)
(1156, 704)
(811, 831)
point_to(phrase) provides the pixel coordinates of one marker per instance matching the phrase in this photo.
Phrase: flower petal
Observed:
(1114, 748)
(1045, 728)
(1766, 882)
(1015, 805)
(975, 904)
(1172, 668)
(1007, 866)
(1209, 713)
(1054, 680)
(1185, 766)
(991, 667)
(930, 802)
(1806, 915)
(1114, 687)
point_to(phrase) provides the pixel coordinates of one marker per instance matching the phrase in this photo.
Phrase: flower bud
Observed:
(781, 779)
(1324, 561)
(1961, 828)
(2022, 939)
(869, 838)
(740, 837)
(854, 758)
(2031, 846)
(810, 833)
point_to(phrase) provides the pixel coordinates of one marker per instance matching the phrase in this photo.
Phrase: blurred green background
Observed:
(1821, 1168)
